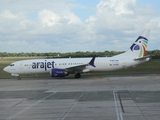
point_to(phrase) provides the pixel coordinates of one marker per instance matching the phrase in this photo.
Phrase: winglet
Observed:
(92, 61)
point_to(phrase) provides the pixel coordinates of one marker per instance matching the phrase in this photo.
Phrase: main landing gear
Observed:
(18, 78)
(77, 75)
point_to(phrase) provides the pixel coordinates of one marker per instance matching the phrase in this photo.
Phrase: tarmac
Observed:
(92, 97)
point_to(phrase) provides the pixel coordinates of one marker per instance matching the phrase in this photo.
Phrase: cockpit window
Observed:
(11, 64)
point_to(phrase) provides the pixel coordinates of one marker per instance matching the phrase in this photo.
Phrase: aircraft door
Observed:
(20, 66)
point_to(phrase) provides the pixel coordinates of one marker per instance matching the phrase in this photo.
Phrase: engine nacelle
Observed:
(55, 72)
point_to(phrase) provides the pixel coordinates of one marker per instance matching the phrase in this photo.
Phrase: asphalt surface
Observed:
(88, 98)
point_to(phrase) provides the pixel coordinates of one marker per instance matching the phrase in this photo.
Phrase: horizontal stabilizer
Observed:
(142, 58)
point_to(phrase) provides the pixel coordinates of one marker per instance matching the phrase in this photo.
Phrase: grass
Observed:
(150, 67)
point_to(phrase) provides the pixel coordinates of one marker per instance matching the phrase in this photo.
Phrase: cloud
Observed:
(8, 15)
(124, 14)
(48, 18)
(123, 20)
(54, 26)
(117, 7)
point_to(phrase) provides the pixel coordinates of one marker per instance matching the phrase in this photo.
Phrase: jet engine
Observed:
(56, 72)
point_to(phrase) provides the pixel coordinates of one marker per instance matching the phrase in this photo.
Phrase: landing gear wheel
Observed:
(77, 75)
(18, 78)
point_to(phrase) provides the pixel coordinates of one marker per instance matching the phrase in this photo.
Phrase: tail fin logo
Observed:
(140, 46)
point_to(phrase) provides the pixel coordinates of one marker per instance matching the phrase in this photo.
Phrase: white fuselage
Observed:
(36, 66)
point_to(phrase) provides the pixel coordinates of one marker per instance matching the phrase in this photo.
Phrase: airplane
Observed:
(62, 67)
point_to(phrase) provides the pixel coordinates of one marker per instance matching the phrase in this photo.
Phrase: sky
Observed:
(76, 25)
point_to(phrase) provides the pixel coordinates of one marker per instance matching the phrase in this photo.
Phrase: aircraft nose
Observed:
(5, 69)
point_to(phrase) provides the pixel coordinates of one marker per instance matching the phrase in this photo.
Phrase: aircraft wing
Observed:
(81, 68)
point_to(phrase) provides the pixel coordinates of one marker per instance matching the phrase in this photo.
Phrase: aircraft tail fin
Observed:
(139, 47)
